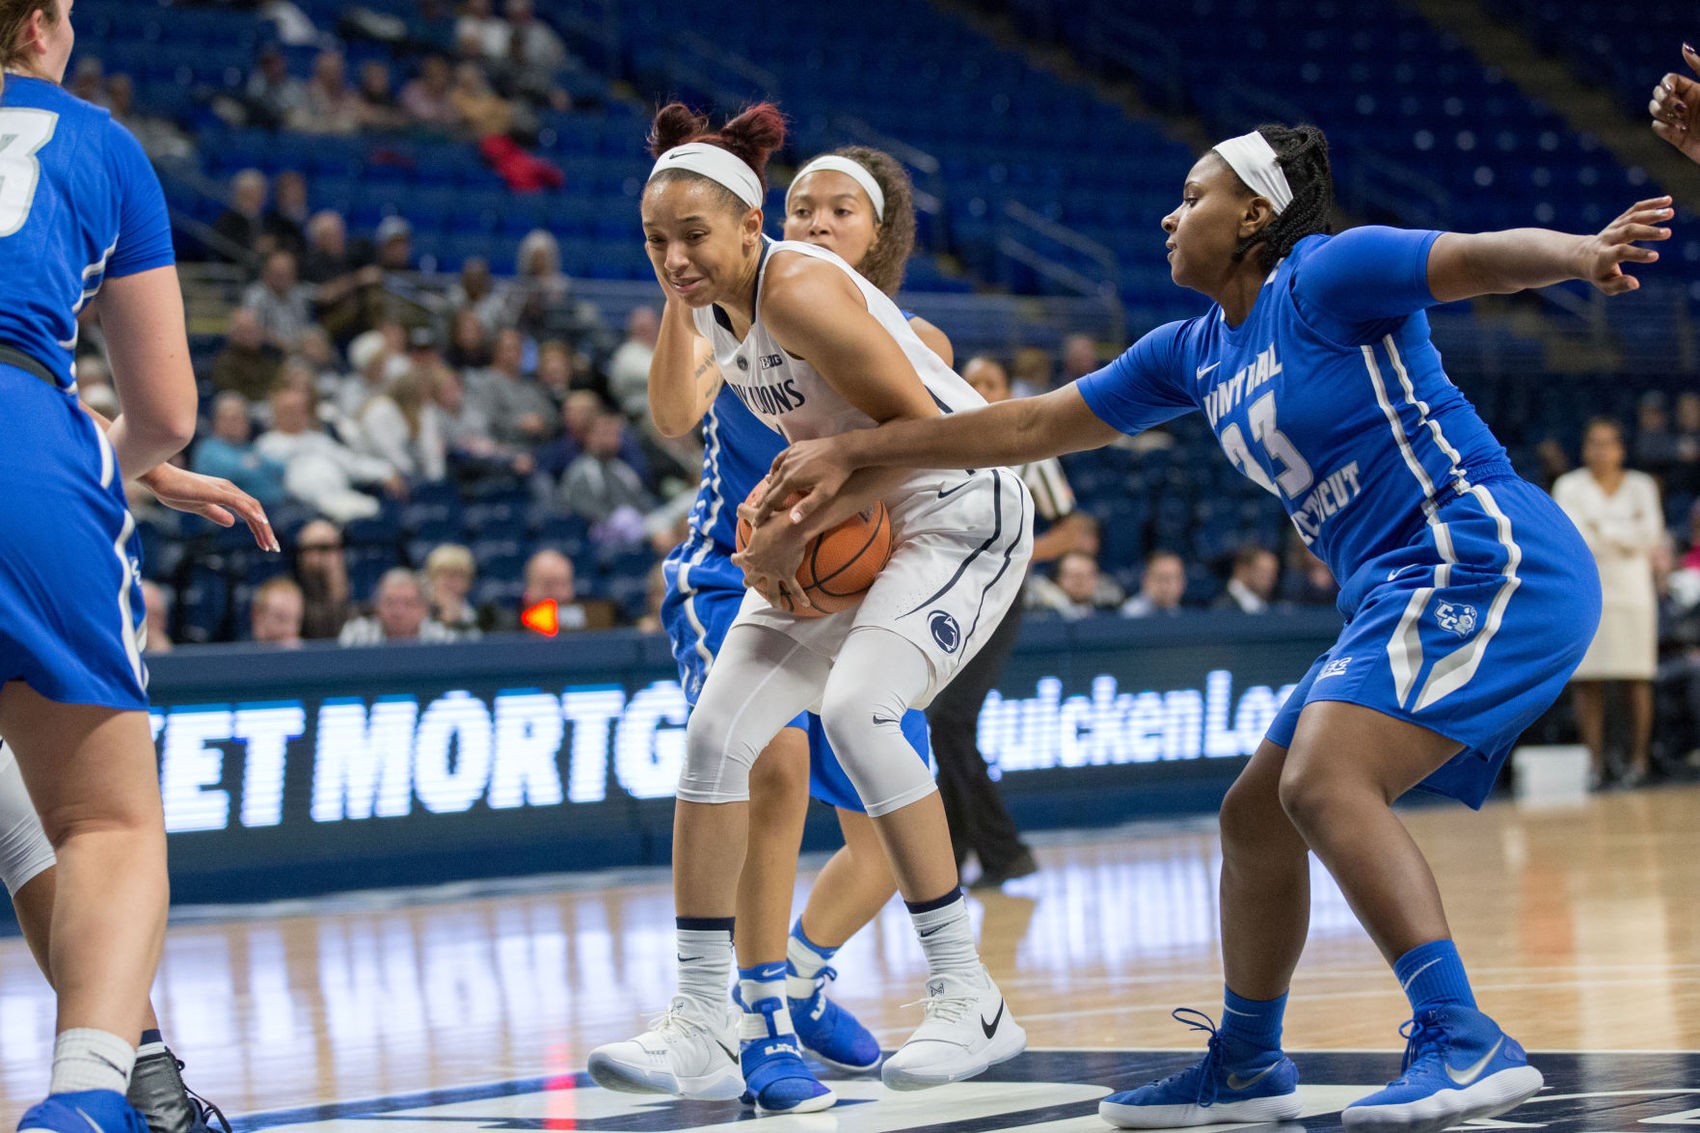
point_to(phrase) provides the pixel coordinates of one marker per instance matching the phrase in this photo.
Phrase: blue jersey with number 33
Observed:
(1330, 394)
(79, 204)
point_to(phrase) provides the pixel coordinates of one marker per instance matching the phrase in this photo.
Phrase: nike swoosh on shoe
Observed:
(992, 1028)
(1473, 1071)
(1236, 1083)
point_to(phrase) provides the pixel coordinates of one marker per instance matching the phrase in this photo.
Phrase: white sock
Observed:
(806, 962)
(948, 939)
(705, 967)
(87, 1059)
(757, 984)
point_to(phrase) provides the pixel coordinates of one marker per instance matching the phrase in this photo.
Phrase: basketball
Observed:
(841, 562)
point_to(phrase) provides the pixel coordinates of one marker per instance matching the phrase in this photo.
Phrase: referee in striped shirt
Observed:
(979, 821)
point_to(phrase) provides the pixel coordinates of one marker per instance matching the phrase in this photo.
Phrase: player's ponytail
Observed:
(14, 16)
(752, 136)
(883, 265)
(1303, 154)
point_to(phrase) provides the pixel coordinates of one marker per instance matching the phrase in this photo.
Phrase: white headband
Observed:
(1253, 158)
(854, 170)
(723, 167)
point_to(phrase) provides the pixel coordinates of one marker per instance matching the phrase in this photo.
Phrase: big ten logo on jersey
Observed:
(769, 400)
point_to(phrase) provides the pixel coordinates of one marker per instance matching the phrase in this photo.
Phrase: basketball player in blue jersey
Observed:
(810, 347)
(858, 203)
(1468, 597)
(81, 213)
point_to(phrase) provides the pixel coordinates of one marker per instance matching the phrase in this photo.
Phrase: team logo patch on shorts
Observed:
(1456, 617)
(946, 633)
(1334, 668)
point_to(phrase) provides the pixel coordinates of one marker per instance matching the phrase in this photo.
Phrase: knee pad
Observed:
(24, 849)
(717, 759)
(865, 728)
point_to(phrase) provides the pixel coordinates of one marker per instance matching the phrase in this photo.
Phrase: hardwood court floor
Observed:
(1580, 927)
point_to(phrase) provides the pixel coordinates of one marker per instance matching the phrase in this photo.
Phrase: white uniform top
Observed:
(791, 397)
(1622, 529)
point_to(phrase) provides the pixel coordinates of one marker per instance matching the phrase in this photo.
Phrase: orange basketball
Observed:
(841, 562)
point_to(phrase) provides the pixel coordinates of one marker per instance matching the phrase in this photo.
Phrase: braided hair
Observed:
(1303, 154)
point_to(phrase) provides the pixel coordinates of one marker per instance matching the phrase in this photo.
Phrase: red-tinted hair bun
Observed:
(752, 136)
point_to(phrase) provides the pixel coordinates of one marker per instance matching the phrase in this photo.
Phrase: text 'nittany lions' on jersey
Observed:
(1329, 395)
(79, 204)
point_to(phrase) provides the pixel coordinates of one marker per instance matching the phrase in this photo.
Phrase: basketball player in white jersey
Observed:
(813, 349)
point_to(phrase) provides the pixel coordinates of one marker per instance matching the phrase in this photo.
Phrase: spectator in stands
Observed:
(1079, 357)
(379, 109)
(469, 341)
(399, 613)
(556, 372)
(275, 617)
(157, 608)
(480, 28)
(377, 359)
(280, 302)
(1079, 589)
(331, 105)
(1161, 587)
(543, 295)
(159, 137)
(393, 244)
(1655, 444)
(628, 369)
(1307, 581)
(449, 574)
(479, 111)
(88, 81)
(1031, 370)
(349, 296)
(1685, 476)
(241, 224)
(1251, 582)
(481, 293)
(248, 363)
(549, 576)
(403, 427)
(533, 55)
(320, 471)
(518, 411)
(284, 228)
(1617, 510)
(599, 483)
(229, 452)
(273, 96)
(425, 98)
(321, 568)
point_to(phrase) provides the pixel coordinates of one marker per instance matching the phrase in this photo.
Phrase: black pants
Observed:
(979, 823)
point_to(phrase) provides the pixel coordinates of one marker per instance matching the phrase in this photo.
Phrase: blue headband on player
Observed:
(721, 166)
(1253, 159)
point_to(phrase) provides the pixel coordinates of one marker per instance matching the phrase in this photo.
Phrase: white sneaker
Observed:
(968, 1028)
(683, 1053)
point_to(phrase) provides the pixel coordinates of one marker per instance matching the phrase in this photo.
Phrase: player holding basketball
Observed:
(81, 212)
(811, 349)
(858, 203)
(1469, 597)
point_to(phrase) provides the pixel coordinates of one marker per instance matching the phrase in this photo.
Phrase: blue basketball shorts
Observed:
(704, 592)
(1471, 631)
(71, 612)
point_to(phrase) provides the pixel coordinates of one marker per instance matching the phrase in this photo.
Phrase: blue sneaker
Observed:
(1458, 1066)
(776, 1080)
(1264, 1088)
(831, 1033)
(75, 1112)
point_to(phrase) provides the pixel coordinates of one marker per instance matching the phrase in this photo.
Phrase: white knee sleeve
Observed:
(876, 678)
(24, 848)
(760, 680)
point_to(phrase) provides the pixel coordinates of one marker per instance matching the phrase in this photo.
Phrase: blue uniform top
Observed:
(79, 204)
(1330, 394)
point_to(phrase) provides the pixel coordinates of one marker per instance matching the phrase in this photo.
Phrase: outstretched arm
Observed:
(1011, 432)
(1498, 263)
(1676, 108)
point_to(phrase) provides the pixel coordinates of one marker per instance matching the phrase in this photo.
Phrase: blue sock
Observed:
(1250, 1026)
(1433, 976)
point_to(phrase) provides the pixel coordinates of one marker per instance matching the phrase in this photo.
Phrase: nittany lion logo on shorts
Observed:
(945, 631)
(1457, 617)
